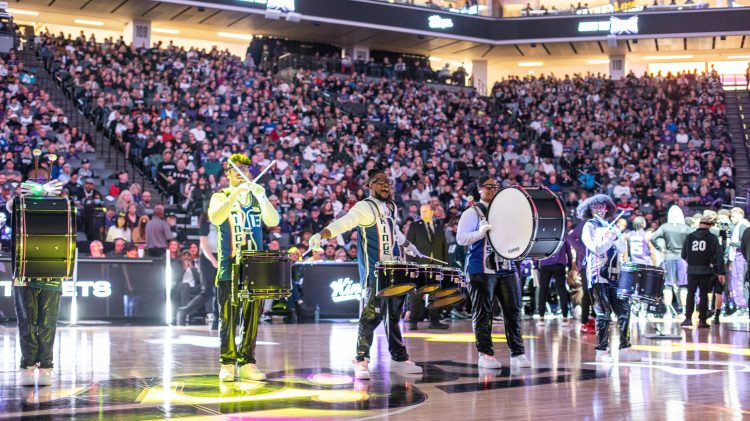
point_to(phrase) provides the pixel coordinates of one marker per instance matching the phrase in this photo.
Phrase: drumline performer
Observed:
(378, 239)
(602, 249)
(490, 277)
(239, 213)
(37, 304)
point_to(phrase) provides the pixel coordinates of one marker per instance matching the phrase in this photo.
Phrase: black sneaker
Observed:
(716, 320)
(704, 325)
(686, 323)
(438, 325)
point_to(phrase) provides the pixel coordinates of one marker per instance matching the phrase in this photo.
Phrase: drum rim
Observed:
(525, 254)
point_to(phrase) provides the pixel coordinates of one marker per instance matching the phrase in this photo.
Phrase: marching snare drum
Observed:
(444, 302)
(452, 283)
(641, 282)
(44, 243)
(429, 278)
(394, 278)
(526, 222)
(265, 274)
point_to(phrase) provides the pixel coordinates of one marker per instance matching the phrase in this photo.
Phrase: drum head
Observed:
(446, 302)
(429, 289)
(448, 292)
(512, 219)
(395, 291)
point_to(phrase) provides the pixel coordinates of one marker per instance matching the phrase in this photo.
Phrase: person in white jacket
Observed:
(602, 251)
(378, 239)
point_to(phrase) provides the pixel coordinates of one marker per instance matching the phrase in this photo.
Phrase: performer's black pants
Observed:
(374, 311)
(547, 273)
(483, 289)
(586, 299)
(605, 301)
(208, 280)
(248, 313)
(36, 311)
(418, 309)
(704, 283)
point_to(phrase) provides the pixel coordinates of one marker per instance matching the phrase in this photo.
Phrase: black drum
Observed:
(641, 282)
(527, 222)
(394, 278)
(429, 278)
(452, 283)
(44, 238)
(265, 274)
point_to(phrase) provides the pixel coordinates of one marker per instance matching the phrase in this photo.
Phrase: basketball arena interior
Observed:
(374, 209)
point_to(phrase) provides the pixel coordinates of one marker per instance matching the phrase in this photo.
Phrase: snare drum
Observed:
(641, 282)
(527, 222)
(429, 278)
(452, 283)
(394, 278)
(444, 302)
(265, 274)
(44, 242)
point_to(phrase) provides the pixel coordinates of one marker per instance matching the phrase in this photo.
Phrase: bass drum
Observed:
(44, 238)
(527, 222)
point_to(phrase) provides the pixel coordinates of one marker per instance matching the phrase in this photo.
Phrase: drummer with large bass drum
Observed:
(239, 213)
(379, 239)
(490, 277)
(602, 251)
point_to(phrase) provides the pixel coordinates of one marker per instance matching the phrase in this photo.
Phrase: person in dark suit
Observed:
(428, 235)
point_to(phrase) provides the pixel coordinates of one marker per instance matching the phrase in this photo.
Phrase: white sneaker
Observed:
(488, 361)
(45, 377)
(361, 369)
(405, 367)
(628, 355)
(251, 372)
(520, 361)
(604, 357)
(27, 376)
(226, 374)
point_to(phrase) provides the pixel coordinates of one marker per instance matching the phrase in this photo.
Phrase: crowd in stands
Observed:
(648, 141)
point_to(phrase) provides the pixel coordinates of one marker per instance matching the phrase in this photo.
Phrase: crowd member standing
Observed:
(428, 236)
(208, 262)
(555, 267)
(637, 247)
(671, 236)
(705, 260)
(737, 262)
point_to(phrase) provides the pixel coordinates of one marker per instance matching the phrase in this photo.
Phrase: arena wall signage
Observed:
(615, 26)
(345, 289)
(439, 22)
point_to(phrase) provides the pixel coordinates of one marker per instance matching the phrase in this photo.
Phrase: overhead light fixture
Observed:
(531, 64)
(22, 12)
(246, 37)
(678, 57)
(89, 22)
(435, 58)
(598, 61)
(746, 56)
(165, 31)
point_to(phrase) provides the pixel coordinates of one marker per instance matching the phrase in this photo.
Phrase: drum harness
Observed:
(493, 260)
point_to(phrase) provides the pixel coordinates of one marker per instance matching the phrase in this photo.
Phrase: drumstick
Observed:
(247, 179)
(436, 260)
(265, 170)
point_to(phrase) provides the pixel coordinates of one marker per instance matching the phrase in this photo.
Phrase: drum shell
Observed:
(543, 234)
(452, 283)
(398, 277)
(642, 282)
(44, 231)
(266, 274)
(429, 278)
